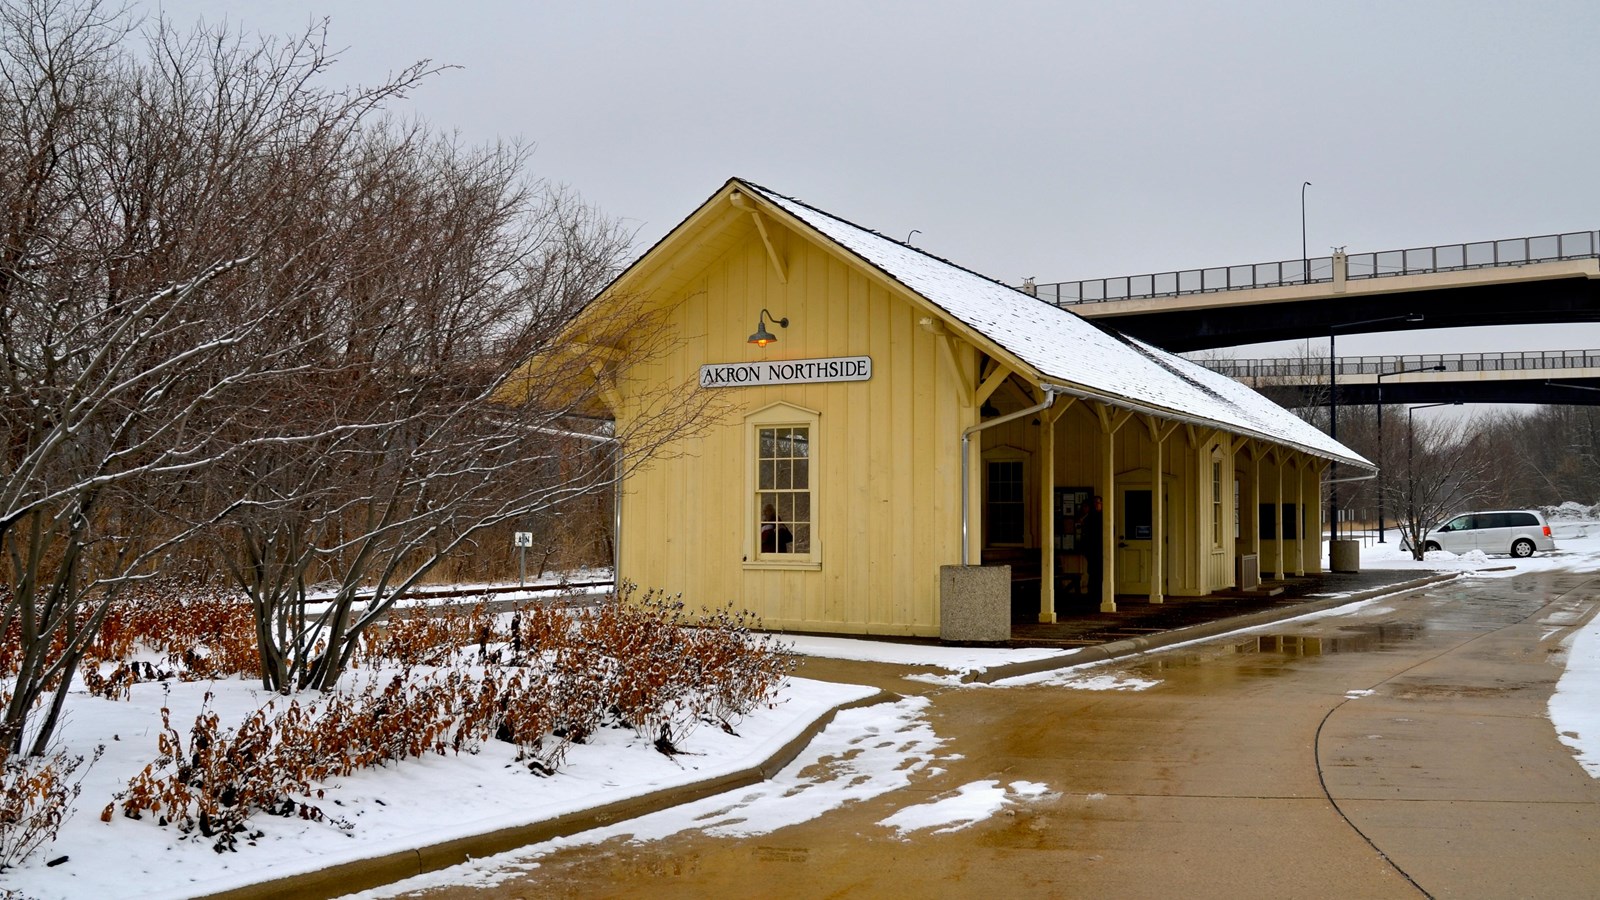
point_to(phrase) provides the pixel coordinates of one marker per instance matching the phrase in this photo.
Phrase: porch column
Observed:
(1300, 522)
(1108, 531)
(1277, 517)
(1253, 520)
(1313, 554)
(1158, 550)
(1047, 528)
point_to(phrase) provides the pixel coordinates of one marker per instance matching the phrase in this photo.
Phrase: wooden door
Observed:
(1135, 539)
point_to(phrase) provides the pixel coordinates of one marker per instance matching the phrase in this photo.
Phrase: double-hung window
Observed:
(783, 508)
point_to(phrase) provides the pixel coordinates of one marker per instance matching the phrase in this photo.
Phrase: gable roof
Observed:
(1063, 349)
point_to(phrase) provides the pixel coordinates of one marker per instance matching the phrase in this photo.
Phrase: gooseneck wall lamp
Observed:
(763, 337)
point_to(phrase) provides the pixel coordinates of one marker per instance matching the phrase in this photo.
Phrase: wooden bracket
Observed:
(991, 384)
(608, 388)
(1059, 409)
(740, 201)
(950, 348)
(1112, 418)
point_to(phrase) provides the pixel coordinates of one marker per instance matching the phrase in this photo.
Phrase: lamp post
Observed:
(1381, 480)
(1333, 408)
(1305, 258)
(1411, 482)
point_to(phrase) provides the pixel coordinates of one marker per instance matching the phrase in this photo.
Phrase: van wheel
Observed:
(1430, 547)
(1522, 549)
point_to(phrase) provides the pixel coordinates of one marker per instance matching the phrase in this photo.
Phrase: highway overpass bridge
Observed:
(1518, 281)
(1569, 377)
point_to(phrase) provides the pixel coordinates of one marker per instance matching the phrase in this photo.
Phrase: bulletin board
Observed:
(1072, 503)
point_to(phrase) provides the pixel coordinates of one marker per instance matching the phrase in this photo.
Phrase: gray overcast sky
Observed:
(1054, 140)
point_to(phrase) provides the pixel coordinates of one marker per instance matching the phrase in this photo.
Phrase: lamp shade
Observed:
(763, 337)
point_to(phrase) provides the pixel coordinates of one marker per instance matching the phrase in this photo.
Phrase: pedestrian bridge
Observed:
(1540, 376)
(1529, 280)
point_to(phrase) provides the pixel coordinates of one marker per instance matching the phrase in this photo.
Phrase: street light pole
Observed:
(1333, 409)
(1305, 258)
(1333, 432)
(1382, 526)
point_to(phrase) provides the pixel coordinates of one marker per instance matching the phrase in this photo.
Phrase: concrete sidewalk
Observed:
(1204, 619)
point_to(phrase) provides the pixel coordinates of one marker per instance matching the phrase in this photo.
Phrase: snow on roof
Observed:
(1062, 346)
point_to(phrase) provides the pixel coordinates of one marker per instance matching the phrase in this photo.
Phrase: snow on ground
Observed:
(955, 659)
(865, 753)
(962, 808)
(413, 803)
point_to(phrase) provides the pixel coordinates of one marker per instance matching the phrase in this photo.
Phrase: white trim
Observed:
(778, 415)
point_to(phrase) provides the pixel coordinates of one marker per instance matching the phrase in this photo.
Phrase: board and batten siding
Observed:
(886, 453)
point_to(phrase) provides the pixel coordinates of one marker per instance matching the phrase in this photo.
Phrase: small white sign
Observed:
(786, 371)
(522, 539)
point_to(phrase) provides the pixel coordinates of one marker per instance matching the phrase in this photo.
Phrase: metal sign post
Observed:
(522, 540)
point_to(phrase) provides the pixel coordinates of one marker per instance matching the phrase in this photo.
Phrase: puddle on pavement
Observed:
(1351, 639)
(1284, 647)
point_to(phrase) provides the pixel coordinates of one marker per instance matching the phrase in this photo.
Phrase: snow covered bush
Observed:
(36, 797)
(445, 681)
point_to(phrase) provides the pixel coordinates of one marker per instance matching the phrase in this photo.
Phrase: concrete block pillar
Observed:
(975, 604)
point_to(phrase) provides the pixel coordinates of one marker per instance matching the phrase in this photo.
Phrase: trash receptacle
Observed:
(1344, 556)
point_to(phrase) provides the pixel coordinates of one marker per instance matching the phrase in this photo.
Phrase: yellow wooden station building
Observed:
(902, 446)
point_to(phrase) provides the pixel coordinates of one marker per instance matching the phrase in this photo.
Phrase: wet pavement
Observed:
(1400, 751)
(1079, 621)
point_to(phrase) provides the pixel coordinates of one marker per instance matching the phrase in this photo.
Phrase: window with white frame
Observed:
(1005, 497)
(1216, 502)
(1238, 531)
(1007, 502)
(783, 510)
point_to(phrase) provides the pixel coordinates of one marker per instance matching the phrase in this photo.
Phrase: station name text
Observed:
(789, 371)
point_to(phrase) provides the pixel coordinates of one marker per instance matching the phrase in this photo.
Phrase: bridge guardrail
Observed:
(1531, 360)
(1319, 269)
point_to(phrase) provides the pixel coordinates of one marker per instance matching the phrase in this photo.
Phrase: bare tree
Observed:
(147, 210)
(444, 397)
(1447, 466)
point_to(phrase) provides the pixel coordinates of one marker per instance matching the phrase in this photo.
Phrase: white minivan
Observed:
(1519, 532)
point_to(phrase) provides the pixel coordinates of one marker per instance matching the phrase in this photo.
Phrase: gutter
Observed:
(1367, 477)
(966, 469)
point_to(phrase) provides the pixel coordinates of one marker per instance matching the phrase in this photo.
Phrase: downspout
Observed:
(966, 468)
(616, 525)
(1367, 477)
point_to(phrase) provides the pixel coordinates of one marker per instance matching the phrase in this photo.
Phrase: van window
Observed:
(1459, 523)
(1522, 520)
(1492, 520)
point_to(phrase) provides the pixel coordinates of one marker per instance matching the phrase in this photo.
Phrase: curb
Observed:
(377, 871)
(1131, 646)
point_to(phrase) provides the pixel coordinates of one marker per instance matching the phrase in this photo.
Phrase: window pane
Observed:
(783, 499)
(1006, 525)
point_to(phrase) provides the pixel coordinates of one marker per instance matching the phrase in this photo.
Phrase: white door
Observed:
(1135, 539)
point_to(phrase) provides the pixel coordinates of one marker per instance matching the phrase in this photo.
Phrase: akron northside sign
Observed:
(787, 371)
